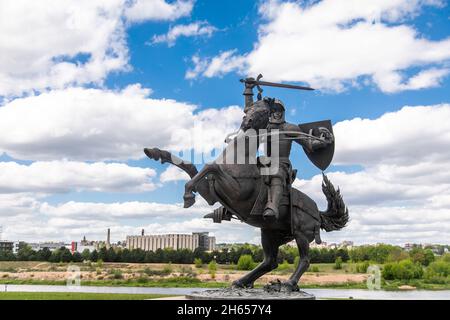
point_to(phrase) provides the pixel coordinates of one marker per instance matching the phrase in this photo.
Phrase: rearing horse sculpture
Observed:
(241, 190)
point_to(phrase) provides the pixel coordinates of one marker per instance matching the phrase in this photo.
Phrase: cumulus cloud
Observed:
(40, 221)
(194, 29)
(125, 210)
(66, 176)
(173, 173)
(141, 10)
(402, 193)
(408, 136)
(332, 44)
(223, 63)
(60, 43)
(94, 124)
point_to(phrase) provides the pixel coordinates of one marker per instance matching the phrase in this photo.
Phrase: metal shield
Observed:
(322, 157)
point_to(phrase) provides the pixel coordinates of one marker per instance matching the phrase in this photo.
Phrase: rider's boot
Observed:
(275, 194)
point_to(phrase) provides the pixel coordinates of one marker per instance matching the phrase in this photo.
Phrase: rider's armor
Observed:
(283, 133)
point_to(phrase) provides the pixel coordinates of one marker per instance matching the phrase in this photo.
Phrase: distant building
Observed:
(346, 244)
(11, 246)
(205, 242)
(174, 241)
(52, 246)
(81, 246)
(313, 244)
(409, 246)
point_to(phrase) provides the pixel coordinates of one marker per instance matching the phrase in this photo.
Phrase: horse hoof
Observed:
(237, 285)
(151, 153)
(278, 286)
(189, 201)
(240, 285)
(289, 287)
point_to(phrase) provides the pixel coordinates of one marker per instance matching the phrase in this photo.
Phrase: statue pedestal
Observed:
(248, 294)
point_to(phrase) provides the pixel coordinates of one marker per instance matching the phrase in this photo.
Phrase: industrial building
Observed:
(11, 246)
(174, 241)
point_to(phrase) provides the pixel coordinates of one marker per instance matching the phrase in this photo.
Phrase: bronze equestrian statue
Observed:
(258, 190)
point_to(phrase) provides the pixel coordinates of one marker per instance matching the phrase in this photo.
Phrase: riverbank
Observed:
(181, 292)
(77, 296)
(190, 276)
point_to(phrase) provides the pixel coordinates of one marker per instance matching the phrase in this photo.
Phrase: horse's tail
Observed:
(336, 215)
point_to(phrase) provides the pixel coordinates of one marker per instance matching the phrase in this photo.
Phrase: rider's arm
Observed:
(309, 144)
(248, 94)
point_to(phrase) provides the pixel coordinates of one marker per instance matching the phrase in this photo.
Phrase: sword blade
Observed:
(282, 85)
(274, 84)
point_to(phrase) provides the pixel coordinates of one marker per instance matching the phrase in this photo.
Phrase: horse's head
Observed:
(257, 117)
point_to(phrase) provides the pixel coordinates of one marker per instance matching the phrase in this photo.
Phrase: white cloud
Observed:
(334, 43)
(172, 173)
(402, 193)
(33, 220)
(66, 176)
(194, 29)
(223, 63)
(393, 82)
(94, 124)
(121, 210)
(408, 136)
(141, 10)
(59, 43)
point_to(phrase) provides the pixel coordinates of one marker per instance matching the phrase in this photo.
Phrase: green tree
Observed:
(44, 254)
(284, 266)
(402, 270)
(198, 262)
(439, 268)
(66, 255)
(422, 256)
(86, 255)
(245, 262)
(93, 256)
(25, 253)
(55, 256)
(338, 263)
(103, 254)
(99, 263)
(76, 257)
(212, 268)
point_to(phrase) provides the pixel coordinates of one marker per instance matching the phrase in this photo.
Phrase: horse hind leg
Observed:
(270, 241)
(166, 157)
(227, 182)
(303, 248)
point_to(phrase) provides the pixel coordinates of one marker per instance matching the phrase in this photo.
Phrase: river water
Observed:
(319, 293)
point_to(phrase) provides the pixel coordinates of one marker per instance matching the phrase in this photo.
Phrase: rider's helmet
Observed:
(277, 111)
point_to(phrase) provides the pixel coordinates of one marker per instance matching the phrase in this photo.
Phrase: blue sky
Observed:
(75, 168)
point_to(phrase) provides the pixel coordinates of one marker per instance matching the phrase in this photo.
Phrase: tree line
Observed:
(381, 253)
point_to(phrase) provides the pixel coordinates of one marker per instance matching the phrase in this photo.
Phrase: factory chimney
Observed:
(108, 239)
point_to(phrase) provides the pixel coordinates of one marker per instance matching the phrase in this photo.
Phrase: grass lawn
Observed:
(75, 296)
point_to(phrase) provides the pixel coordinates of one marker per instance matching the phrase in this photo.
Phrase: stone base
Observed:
(248, 294)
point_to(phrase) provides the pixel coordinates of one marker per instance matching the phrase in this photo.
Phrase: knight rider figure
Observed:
(283, 133)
